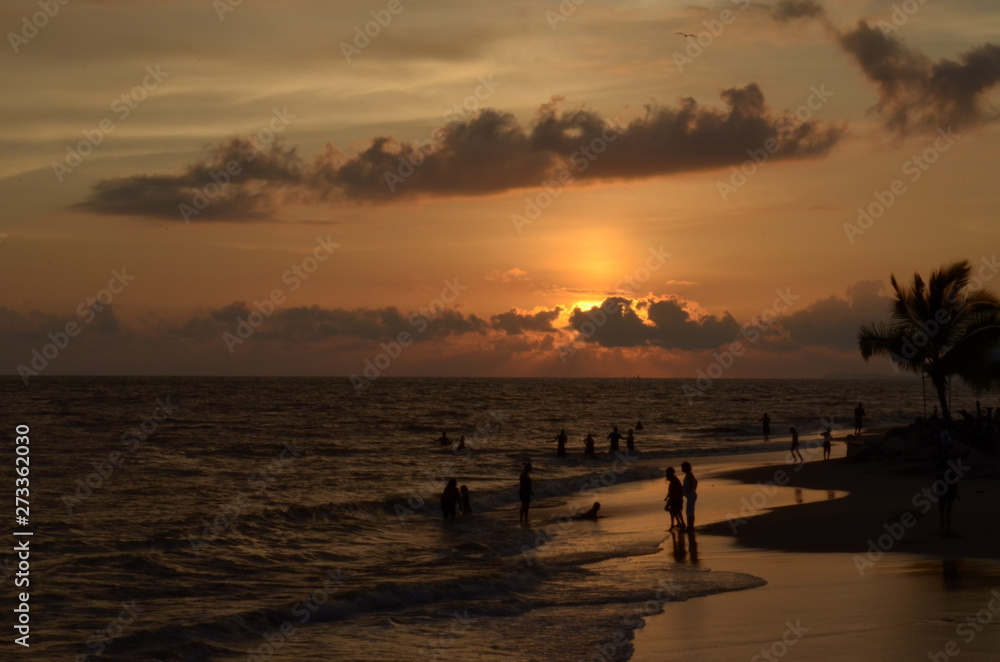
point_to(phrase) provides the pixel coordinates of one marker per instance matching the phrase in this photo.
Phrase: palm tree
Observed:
(940, 328)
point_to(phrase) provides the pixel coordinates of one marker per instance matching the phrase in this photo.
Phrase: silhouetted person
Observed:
(827, 443)
(638, 426)
(766, 424)
(947, 500)
(525, 493)
(674, 499)
(588, 446)
(796, 453)
(464, 500)
(561, 443)
(461, 443)
(590, 514)
(614, 437)
(859, 418)
(449, 499)
(690, 493)
(630, 442)
(443, 439)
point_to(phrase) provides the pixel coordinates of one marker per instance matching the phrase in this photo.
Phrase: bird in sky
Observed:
(684, 34)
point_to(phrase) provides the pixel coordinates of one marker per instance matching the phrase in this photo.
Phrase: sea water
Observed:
(297, 519)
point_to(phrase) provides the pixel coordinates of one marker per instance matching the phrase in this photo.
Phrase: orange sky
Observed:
(561, 161)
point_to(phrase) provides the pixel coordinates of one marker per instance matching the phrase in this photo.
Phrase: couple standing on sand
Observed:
(677, 493)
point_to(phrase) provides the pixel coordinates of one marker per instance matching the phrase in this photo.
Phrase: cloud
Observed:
(515, 323)
(668, 324)
(915, 94)
(508, 276)
(485, 154)
(788, 10)
(313, 324)
(834, 321)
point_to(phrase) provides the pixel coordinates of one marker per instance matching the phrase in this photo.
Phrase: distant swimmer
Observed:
(766, 424)
(461, 443)
(561, 446)
(525, 493)
(614, 437)
(443, 439)
(590, 514)
(630, 442)
(464, 501)
(638, 426)
(588, 446)
(449, 499)
(796, 453)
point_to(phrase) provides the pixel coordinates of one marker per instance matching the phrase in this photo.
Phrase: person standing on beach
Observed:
(525, 493)
(674, 499)
(766, 423)
(827, 441)
(615, 438)
(588, 446)
(859, 417)
(946, 500)
(796, 453)
(630, 442)
(561, 443)
(690, 493)
(450, 499)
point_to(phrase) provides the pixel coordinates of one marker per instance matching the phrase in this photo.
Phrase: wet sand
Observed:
(840, 586)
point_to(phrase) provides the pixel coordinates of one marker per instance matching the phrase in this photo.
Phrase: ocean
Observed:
(296, 519)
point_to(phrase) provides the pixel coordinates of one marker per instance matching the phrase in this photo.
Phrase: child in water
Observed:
(464, 500)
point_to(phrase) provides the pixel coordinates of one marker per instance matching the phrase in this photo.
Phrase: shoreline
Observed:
(803, 535)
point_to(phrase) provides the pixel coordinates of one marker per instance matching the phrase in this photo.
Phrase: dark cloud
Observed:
(787, 10)
(515, 323)
(616, 324)
(916, 94)
(309, 324)
(236, 181)
(834, 322)
(488, 153)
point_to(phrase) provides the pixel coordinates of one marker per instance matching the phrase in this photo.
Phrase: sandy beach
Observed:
(849, 574)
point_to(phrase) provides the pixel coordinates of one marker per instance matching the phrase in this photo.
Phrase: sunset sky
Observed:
(479, 175)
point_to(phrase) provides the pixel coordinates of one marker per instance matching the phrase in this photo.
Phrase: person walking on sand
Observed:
(450, 499)
(766, 424)
(561, 443)
(796, 453)
(630, 442)
(827, 442)
(859, 417)
(525, 493)
(690, 486)
(588, 446)
(614, 437)
(674, 499)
